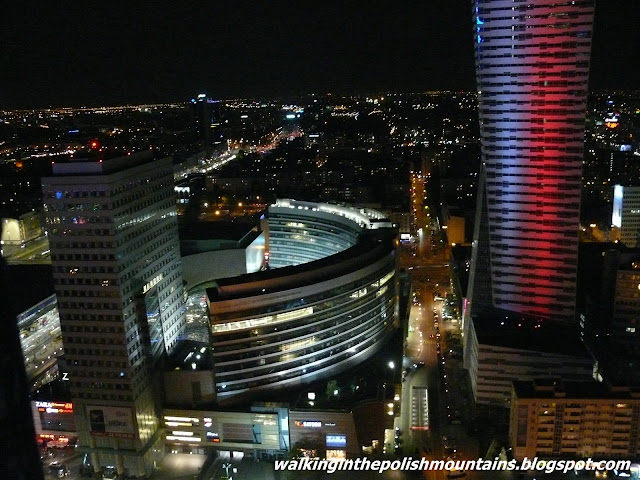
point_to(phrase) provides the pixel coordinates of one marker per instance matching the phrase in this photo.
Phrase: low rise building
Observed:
(551, 418)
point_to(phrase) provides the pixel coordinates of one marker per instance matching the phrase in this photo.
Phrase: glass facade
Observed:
(532, 66)
(312, 326)
(297, 238)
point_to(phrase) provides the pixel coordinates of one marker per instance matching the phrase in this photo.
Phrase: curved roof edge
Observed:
(372, 246)
(365, 217)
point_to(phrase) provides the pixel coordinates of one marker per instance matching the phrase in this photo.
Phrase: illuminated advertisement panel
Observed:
(308, 424)
(336, 440)
(54, 407)
(111, 421)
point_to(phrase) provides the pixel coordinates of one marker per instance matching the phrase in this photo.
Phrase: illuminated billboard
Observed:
(308, 424)
(54, 407)
(336, 440)
(111, 421)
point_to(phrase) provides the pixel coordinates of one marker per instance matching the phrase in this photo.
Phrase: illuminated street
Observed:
(34, 252)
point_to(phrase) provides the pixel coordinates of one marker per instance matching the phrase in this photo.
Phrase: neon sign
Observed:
(308, 424)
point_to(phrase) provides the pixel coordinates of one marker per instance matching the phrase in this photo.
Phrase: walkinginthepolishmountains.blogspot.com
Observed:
(411, 464)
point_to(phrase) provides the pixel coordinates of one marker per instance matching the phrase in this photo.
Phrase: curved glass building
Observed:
(306, 320)
(300, 232)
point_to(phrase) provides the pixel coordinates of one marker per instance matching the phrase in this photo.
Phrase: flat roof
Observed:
(222, 230)
(522, 332)
(555, 388)
(371, 246)
(100, 163)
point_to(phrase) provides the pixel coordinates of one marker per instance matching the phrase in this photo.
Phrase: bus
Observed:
(419, 408)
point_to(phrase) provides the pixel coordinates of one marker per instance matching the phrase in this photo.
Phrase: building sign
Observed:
(54, 407)
(309, 424)
(111, 421)
(336, 440)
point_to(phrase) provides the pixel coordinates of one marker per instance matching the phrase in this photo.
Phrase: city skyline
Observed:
(94, 55)
(235, 266)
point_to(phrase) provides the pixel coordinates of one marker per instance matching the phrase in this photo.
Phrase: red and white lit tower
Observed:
(532, 68)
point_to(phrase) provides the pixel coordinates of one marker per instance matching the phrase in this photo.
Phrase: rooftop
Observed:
(554, 388)
(215, 230)
(372, 245)
(511, 330)
(100, 163)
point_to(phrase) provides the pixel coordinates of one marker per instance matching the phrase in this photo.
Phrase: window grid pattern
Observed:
(532, 65)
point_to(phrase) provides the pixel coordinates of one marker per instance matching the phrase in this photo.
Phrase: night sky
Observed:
(71, 53)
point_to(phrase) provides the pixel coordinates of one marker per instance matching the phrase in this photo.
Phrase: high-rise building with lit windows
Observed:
(532, 66)
(113, 236)
(626, 214)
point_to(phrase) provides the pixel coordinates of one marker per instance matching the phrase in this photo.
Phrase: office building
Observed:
(500, 350)
(610, 321)
(301, 232)
(626, 214)
(330, 304)
(205, 116)
(115, 254)
(532, 66)
(550, 418)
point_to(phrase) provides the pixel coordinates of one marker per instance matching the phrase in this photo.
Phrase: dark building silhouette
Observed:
(609, 318)
(205, 119)
(19, 457)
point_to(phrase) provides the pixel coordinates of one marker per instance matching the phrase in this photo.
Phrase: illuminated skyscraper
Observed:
(626, 214)
(532, 66)
(113, 236)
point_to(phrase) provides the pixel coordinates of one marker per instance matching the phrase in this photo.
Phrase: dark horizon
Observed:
(86, 55)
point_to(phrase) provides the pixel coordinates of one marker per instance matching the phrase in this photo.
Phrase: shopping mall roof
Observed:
(371, 246)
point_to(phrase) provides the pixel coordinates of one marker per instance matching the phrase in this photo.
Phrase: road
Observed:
(450, 395)
(66, 457)
(34, 252)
